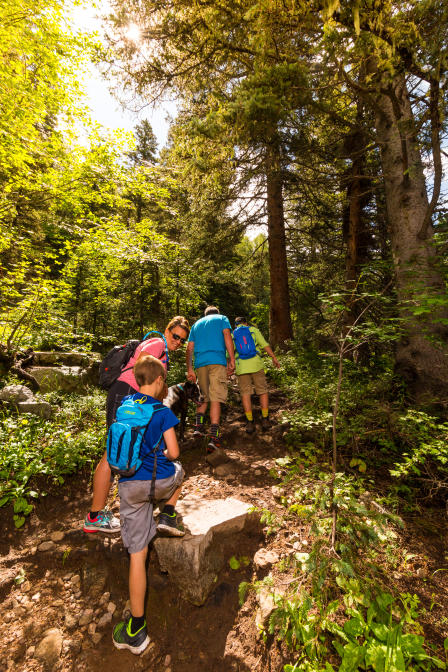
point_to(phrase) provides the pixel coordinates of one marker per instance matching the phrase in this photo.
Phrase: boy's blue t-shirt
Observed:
(209, 344)
(161, 420)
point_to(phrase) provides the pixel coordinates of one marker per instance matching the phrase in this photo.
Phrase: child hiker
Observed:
(249, 370)
(158, 450)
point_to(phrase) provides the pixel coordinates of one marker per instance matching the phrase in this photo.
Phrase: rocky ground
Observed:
(62, 590)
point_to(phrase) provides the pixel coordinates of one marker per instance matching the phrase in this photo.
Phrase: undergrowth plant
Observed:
(39, 453)
(341, 611)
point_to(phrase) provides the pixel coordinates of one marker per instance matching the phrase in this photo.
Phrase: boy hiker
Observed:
(210, 339)
(136, 499)
(250, 371)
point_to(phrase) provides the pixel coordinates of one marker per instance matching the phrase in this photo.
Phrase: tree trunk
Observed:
(156, 298)
(356, 235)
(141, 302)
(177, 289)
(77, 301)
(280, 326)
(421, 360)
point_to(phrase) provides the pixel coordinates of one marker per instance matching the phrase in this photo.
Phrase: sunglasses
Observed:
(179, 338)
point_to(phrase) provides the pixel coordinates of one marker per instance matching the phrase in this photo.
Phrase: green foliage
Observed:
(37, 454)
(423, 459)
(21, 577)
(377, 633)
(374, 426)
(342, 604)
(236, 563)
(272, 522)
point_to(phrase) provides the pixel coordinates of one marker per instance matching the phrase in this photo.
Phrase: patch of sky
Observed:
(105, 109)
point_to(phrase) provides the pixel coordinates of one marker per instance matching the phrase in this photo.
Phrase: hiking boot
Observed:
(169, 525)
(213, 443)
(199, 430)
(249, 427)
(123, 639)
(104, 522)
(265, 424)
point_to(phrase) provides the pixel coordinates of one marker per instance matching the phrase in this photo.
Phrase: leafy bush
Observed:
(424, 459)
(374, 426)
(340, 605)
(34, 447)
(341, 611)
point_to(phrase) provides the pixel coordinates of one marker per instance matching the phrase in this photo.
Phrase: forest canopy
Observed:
(323, 123)
(302, 186)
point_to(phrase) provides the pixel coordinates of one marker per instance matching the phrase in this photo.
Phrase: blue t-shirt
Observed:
(208, 339)
(161, 420)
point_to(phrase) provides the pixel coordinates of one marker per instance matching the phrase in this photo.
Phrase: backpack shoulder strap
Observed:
(167, 358)
(152, 490)
(252, 326)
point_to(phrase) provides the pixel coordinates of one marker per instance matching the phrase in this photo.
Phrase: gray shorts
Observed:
(136, 512)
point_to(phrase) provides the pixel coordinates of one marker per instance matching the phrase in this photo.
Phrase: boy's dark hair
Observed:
(240, 320)
(211, 310)
(147, 368)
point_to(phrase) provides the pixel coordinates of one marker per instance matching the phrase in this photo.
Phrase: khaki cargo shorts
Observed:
(248, 381)
(212, 380)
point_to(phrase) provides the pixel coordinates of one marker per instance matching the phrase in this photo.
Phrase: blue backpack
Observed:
(126, 434)
(244, 342)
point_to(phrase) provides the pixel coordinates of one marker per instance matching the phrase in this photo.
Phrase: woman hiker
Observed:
(100, 519)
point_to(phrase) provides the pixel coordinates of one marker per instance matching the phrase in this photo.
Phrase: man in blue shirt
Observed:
(209, 342)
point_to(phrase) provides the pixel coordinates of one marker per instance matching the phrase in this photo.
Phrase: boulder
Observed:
(278, 492)
(266, 604)
(16, 394)
(64, 378)
(105, 619)
(49, 648)
(86, 617)
(70, 620)
(194, 561)
(40, 408)
(93, 578)
(46, 546)
(57, 536)
(217, 457)
(41, 358)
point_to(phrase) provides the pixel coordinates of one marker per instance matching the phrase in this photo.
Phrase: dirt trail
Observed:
(89, 572)
(84, 576)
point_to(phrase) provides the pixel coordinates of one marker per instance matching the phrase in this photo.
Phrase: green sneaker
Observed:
(123, 639)
(169, 525)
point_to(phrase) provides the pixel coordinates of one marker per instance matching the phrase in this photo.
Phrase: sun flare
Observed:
(133, 32)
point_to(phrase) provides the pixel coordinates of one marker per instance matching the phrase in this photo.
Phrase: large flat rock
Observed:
(194, 561)
(43, 358)
(51, 378)
(65, 378)
(16, 393)
(40, 408)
